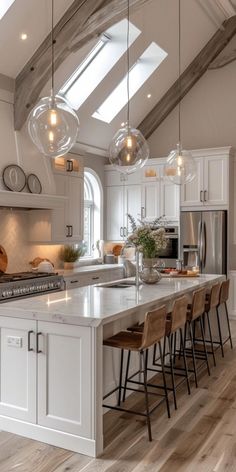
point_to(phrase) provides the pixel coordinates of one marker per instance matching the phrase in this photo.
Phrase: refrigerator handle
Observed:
(200, 242)
(204, 244)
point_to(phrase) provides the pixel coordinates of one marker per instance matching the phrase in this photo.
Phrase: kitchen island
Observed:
(53, 368)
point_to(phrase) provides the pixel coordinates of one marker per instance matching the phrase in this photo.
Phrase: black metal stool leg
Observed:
(204, 345)
(121, 374)
(228, 323)
(210, 335)
(172, 370)
(193, 352)
(164, 378)
(144, 358)
(154, 354)
(126, 375)
(219, 330)
(185, 361)
(174, 353)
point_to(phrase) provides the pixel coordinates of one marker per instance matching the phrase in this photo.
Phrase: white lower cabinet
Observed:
(46, 375)
(18, 369)
(64, 378)
(100, 276)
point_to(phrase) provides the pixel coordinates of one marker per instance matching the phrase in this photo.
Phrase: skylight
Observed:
(147, 63)
(108, 50)
(4, 6)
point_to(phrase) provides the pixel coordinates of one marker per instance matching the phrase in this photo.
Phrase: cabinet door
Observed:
(191, 193)
(115, 213)
(132, 205)
(216, 181)
(75, 207)
(18, 369)
(65, 378)
(151, 200)
(59, 215)
(170, 200)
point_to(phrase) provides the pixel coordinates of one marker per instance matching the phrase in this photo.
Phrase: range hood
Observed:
(27, 200)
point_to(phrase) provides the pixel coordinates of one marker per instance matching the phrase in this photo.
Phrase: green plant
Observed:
(71, 253)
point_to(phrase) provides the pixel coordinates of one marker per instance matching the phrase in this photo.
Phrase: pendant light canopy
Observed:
(52, 124)
(128, 150)
(180, 167)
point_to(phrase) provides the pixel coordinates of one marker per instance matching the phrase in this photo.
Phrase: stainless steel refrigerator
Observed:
(203, 240)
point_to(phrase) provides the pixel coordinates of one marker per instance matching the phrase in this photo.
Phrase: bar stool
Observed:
(224, 295)
(195, 313)
(211, 302)
(175, 322)
(153, 332)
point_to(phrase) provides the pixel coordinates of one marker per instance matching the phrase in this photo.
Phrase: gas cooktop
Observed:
(23, 276)
(28, 284)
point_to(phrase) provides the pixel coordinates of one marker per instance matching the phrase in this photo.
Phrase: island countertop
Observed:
(95, 305)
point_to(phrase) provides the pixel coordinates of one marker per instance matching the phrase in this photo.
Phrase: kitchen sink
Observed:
(117, 285)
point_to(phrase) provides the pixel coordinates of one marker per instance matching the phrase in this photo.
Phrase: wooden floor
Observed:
(199, 437)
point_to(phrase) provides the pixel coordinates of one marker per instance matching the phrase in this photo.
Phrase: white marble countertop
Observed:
(93, 305)
(89, 269)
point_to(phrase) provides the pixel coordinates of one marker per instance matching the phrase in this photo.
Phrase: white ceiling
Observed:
(25, 16)
(158, 22)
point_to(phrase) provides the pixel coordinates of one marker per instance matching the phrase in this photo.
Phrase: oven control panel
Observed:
(27, 288)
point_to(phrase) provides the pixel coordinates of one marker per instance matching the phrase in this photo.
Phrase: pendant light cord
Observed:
(179, 81)
(128, 62)
(52, 47)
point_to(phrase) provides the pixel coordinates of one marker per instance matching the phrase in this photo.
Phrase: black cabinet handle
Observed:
(69, 166)
(74, 281)
(71, 230)
(29, 346)
(37, 343)
(205, 195)
(95, 278)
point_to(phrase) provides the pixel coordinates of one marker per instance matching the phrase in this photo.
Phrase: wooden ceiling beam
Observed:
(189, 77)
(82, 22)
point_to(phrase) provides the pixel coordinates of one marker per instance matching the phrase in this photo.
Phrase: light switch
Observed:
(14, 341)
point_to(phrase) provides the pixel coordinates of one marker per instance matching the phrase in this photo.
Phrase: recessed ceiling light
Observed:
(23, 36)
(149, 95)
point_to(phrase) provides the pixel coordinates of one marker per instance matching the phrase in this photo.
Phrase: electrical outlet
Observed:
(14, 341)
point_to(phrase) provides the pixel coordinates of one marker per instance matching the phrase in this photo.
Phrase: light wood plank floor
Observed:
(199, 437)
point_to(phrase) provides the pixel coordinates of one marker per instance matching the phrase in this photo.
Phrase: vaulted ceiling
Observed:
(158, 22)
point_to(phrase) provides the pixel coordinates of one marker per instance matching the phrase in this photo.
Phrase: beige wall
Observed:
(208, 115)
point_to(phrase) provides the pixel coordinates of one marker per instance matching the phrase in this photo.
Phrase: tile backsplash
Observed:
(14, 227)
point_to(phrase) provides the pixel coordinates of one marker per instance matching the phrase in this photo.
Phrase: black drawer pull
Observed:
(74, 281)
(95, 278)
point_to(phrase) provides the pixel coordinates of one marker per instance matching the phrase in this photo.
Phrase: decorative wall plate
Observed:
(34, 184)
(14, 178)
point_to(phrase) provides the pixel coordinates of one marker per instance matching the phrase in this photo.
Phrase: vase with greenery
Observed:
(70, 254)
(148, 240)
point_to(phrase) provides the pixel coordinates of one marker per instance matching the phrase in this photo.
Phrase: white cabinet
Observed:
(63, 225)
(95, 277)
(121, 200)
(46, 374)
(210, 187)
(151, 202)
(159, 196)
(64, 378)
(18, 369)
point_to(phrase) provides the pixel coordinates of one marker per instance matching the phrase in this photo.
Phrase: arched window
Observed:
(92, 210)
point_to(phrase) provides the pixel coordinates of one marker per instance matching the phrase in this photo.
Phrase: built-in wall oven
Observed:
(169, 255)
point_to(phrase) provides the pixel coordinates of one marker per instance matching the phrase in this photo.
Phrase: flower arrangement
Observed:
(147, 240)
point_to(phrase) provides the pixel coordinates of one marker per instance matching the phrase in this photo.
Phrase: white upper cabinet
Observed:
(210, 187)
(65, 224)
(121, 200)
(151, 202)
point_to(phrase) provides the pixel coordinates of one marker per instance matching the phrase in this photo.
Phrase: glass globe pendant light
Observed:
(52, 124)
(180, 167)
(128, 150)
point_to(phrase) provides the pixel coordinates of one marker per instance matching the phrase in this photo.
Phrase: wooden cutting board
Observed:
(3, 259)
